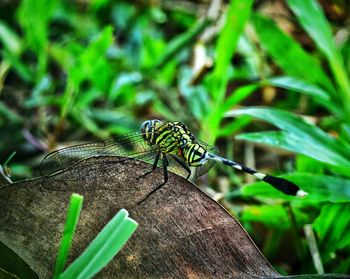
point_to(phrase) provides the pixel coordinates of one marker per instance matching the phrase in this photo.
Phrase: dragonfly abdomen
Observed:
(194, 154)
(279, 183)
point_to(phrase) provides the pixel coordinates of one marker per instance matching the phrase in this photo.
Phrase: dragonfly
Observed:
(169, 145)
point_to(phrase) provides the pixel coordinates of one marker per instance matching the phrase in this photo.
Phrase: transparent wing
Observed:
(77, 180)
(131, 145)
(177, 168)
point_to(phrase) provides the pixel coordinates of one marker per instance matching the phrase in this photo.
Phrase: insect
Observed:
(170, 145)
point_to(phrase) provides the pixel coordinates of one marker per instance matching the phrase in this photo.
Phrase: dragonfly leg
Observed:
(165, 171)
(155, 164)
(165, 168)
(182, 164)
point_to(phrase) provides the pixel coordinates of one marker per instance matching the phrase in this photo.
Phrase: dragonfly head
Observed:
(148, 129)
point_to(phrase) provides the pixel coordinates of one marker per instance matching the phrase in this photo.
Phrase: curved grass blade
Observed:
(305, 87)
(302, 131)
(313, 19)
(314, 251)
(288, 141)
(321, 188)
(75, 204)
(298, 85)
(284, 49)
(332, 226)
(103, 248)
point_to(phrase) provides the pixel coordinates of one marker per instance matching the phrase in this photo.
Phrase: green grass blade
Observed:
(237, 96)
(302, 86)
(298, 85)
(34, 17)
(321, 188)
(89, 64)
(313, 20)
(76, 202)
(9, 114)
(237, 16)
(298, 144)
(285, 50)
(9, 158)
(300, 130)
(10, 39)
(333, 226)
(234, 126)
(273, 215)
(103, 248)
(314, 251)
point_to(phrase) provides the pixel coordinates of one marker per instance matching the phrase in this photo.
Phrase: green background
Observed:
(265, 81)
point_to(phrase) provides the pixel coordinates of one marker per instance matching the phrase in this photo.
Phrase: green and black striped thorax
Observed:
(174, 138)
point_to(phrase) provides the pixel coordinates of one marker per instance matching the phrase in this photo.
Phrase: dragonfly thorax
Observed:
(174, 138)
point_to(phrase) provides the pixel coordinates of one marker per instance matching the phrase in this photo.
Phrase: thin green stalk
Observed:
(238, 13)
(315, 253)
(103, 248)
(73, 213)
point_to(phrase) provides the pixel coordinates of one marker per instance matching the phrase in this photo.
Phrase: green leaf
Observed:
(9, 114)
(306, 134)
(236, 17)
(238, 95)
(38, 97)
(197, 97)
(333, 226)
(10, 40)
(75, 204)
(307, 164)
(302, 86)
(297, 144)
(289, 55)
(312, 18)
(9, 158)
(320, 188)
(90, 65)
(234, 126)
(298, 85)
(271, 215)
(34, 17)
(122, 83)
(103, 248)
(7, 275)
(86, 121)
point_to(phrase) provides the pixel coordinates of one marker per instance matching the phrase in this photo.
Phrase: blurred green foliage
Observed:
(73, 71)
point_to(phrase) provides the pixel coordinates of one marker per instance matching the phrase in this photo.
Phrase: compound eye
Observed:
(156, 122)
(149, 125)
(145, 126)
(148, 129)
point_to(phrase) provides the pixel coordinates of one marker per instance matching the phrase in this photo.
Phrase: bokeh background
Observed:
(267, 82)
